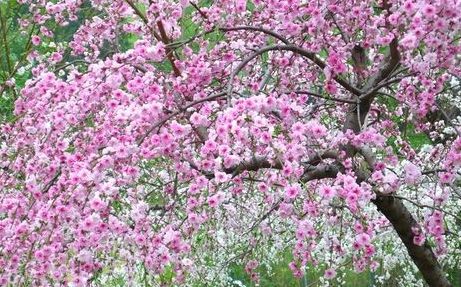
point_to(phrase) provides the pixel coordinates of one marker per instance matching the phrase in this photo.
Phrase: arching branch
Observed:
(291, 48)
(346, 101)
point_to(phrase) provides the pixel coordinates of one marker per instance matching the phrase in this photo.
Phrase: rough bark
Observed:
(402, 221)
(393, 208)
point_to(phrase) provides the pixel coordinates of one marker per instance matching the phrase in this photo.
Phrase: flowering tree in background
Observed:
(229, 130)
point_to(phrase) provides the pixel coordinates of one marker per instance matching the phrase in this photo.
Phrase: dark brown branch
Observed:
(373, 91)
(325, 97)
(393, 208)
(321, 172)
(316, 159)
(294, 49)
(162, 37)
(170, 55)
(390, 63)
(256, 29)
(253, 165)
(143, 18)
(204, 16)
(357, 114)
(427, 206)
(314, 170)
(52, 181)
(447, 118)
(230, 29)
(403, 221)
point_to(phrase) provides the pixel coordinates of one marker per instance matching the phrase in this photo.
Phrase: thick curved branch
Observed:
(325, 97)
(321, 172)
(254, 165)
(231, 29)
(403, 221)
(291, 48)
(315, 170)
(393, 208)
(388, 66)
(316, 159)
(357, 114)
(256, 29)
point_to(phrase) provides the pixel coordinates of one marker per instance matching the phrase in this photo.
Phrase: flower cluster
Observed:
(152, 155)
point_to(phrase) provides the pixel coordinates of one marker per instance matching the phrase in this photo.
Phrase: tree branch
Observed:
(169, 52)
(294, 49)
(325, 97)
(256, 29)
(181, 110)
(254, 165)
(143, 18)
(403, 221)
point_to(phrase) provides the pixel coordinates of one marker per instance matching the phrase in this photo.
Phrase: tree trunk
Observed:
(402, 221)
(393, 208)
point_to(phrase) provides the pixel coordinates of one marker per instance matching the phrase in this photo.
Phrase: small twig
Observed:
(143, 18)
(425, 206)
(373, 91)
(170, 55)
(447, 119)
(172, 115)
(199, 10)
(325, 97)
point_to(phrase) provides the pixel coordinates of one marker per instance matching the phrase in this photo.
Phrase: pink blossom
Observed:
(285, 210)
(222, 177)
(193, 141)
(292, 191)
(362, 239)
(429, 11)
(56, 57)
(391, 182)
(36, 40)
(419, 240)
(327, 192)
(446, 177)
(412, 173)
(336, 63)
(330, 273)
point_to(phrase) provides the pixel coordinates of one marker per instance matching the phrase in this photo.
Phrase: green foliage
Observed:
(6, 108)
(417, 140)
(116, 282)
(14, 47)
(127, 41)
(250, 6)
(167, 276)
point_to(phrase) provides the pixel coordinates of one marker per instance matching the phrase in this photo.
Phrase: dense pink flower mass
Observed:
(275, 123)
